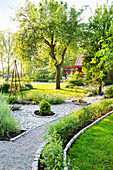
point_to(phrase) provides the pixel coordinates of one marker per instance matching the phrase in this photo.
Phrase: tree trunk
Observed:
(8, 69)
(100, 85)
(21, 69)
(58, 72)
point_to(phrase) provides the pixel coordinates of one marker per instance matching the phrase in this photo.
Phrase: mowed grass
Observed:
(50, 88)
(94, 148)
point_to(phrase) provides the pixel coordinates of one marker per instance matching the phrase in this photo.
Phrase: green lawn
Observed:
(94, 148)
(50, 88)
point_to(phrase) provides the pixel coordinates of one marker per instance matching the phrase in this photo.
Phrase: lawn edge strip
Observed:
(78, 134)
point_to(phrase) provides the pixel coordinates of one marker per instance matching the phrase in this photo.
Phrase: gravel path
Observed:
(19, 155)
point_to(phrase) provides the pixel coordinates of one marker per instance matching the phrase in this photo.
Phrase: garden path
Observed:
(19, 155)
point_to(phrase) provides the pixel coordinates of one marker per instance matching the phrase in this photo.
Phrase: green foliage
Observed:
(62, 128)
(54, 98)
(109, 92)
(65, 125)
(44, 107)
(108, 82)
(51, 28)
(53, 152)
(4, 88)
(75, 79)
(8, 124)
(93, 149)
(51, 98)
(12, 100)
(95, 60)
(29, 85)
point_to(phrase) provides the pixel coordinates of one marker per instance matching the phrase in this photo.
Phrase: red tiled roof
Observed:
(79, 60)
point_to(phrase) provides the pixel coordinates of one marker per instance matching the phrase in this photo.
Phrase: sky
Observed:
(8, 9)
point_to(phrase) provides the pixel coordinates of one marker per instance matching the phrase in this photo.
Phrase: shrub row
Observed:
(4, 88)
(61, 130)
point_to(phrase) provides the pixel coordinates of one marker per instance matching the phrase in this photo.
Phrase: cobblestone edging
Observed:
(37, 156)
(78, 134)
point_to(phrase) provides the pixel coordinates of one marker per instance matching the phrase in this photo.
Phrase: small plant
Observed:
(109, 92)
(5, 88)
(12, 100)
(44, 107)
(53, 152)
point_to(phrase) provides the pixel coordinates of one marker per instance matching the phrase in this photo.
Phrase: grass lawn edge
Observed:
(78, 134)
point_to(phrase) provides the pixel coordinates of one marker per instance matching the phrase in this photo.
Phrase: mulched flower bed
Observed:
(81, 102)
(12, 135)
(36, 112)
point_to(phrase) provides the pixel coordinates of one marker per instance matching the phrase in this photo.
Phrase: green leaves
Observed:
(97, 38)
(8, 124)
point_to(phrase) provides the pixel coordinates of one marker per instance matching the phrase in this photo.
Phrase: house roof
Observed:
(79, 60)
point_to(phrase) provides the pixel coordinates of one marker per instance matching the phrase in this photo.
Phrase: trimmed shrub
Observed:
(44, 107)
(8, 124)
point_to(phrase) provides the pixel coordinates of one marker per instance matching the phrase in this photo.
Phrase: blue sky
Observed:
(6, 12)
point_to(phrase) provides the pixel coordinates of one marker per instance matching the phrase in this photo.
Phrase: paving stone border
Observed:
(37, 156)
(78, 134)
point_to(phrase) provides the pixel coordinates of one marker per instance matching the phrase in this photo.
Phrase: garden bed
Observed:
(12, 136)
(80, 102)
(67, 128)
(36, 112)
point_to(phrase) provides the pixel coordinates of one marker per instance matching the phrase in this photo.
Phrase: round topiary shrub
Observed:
(44, 107)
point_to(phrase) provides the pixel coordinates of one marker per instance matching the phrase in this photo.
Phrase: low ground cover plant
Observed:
(8, 124)
(71, 123)
(94, 148)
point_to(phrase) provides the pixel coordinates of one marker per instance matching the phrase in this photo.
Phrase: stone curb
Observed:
(37, 156)
(78, 134)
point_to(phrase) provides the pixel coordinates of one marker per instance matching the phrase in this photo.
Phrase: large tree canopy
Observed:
(94, 32)
(6, 49)
(50, 28)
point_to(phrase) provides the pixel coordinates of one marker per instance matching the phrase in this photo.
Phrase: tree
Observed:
(105, 54)
(50, 26)
(2, 52)
(7, 46)
(96, 29)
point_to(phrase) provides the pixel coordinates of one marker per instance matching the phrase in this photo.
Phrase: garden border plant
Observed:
(68, 126)
(9, 126)
(93, 146)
